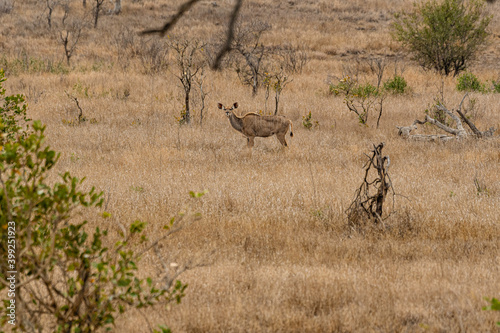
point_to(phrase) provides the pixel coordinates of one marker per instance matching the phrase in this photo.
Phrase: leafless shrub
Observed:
(125, 43)
(352, 69)
(248, 45)
(371, 195)
(153, 54)
(200, 82)
(50, 7)
(474, 109)
(293, 59)
(70, 32)
(377, 66)
(190, 64)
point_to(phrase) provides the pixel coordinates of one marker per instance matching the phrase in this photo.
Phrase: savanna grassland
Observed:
(272, 251)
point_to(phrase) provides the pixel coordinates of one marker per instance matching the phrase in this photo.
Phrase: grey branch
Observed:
(170, 24)
(458, 133)
(183, 9)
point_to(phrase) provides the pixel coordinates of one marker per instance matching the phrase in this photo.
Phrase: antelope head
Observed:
(228, 111)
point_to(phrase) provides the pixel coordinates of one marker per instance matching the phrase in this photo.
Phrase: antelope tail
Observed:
(291, 128)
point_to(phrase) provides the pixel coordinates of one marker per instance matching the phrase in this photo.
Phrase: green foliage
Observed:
(396, 85)
(494, 306)
(163, 329)
(69, 277)
(365, 91)
(439, 115)
(495, 86)
(193, 194)
(470, 82)
(359, 98)
(95, 281)
(444, 36)
(81, 90)
(344, 86)
(24, 63)
(308, 122)
(12, 113)
(182, 118)
(481, 188)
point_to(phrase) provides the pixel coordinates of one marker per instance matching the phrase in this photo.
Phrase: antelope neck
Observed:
(236, 122)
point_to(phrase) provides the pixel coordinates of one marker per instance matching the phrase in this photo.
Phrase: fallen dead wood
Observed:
(458, 132)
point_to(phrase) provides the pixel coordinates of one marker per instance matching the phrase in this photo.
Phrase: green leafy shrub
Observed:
(496, 86)
(70, 280)
(68, 276)
(343, 87)
(12, 113)
(23, 63)
(494, 306)
(443, 35)
(308, 122)
(396, 85)
(359, 98)
(470, 82)
(365, 91)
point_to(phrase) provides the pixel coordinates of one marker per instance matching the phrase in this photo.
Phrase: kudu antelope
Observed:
(253, 124)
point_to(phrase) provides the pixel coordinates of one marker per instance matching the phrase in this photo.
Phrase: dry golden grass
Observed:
(278, 256)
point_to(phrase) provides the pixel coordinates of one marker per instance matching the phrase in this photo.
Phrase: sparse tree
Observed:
(51, 5)
(70, 34)
(200, 81)
(152, 54)
(189, 65)
(361, 99)
(292, 59)
(276, 81)
(97, 11)
(377, 66)
(444, 36)
(247, 43)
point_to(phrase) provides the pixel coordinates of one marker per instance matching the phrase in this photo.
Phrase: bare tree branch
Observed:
(183, 9)
(170, 24)
(230, 36)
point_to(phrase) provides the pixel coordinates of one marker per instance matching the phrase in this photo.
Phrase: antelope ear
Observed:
(219, 106)
(235, 105)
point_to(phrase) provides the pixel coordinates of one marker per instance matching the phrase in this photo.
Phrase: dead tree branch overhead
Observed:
(170, 24)
(226, 47)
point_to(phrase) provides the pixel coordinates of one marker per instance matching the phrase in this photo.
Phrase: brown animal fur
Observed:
(254, 125)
